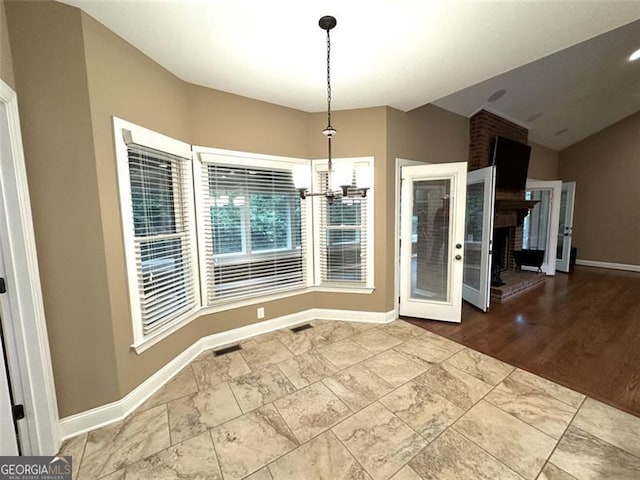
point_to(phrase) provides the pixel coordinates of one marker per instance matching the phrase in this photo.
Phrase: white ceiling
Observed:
(402, 53)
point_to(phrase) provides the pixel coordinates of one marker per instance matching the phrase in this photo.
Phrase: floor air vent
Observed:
(224, 351)
(300, 328)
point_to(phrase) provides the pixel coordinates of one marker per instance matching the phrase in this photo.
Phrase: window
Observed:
(345, 235)
(253, 224)
(215, 228)
(158, 221)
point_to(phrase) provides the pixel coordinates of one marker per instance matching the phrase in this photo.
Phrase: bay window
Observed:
(213, 229)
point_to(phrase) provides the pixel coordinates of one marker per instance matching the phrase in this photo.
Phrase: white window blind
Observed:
(254, 231)
(160, 194)
(343, 238)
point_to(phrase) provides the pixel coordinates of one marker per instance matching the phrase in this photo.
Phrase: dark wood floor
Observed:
(581, 330)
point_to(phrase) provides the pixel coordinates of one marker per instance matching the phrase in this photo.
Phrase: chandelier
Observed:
(340, 180)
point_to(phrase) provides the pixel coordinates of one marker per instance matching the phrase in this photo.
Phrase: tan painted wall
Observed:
(429, 134)
(224, 120)
(6, 63)
(361, 133)
(606, 169)
(50, 73)
(543, 163)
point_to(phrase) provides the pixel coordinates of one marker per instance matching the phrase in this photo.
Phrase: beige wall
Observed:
(224, 120)
(72, 76)
(50, 73)
(6, 63)
(543, 163)
(361, 132)
(429, 134)
(606, 169)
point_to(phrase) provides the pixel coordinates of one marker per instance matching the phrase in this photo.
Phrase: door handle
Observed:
(458, 257)
(458, 245)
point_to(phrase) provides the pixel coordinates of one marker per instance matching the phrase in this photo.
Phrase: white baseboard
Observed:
(353, 315)
(612, 266)
(113, 412)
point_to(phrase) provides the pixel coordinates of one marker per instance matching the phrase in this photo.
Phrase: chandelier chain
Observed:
(328, 78)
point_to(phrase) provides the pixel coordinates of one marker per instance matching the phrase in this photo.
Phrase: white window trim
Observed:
(128, 132)
(321, 165)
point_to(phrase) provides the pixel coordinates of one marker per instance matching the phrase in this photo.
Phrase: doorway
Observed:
(540, 227)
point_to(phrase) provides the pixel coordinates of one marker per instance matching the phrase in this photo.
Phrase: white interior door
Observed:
(565, 227)
(432, 213)
(478, 237)
(540, 228)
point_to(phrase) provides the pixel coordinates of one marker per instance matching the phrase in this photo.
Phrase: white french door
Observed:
(432, 211)
(478, 237)
(540, 227)
(565, 227)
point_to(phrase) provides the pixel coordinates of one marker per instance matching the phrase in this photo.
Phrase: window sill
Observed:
(356, 290)
(172, 327)
(153, 338)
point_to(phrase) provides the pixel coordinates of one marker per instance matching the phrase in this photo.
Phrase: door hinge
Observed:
(3, 286)
(18, 412)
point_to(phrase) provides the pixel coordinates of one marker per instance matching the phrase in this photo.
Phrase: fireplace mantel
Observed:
(511, 213)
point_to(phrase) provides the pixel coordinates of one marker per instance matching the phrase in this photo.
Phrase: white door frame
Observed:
(563, 264)
(26, 337)
(400, 162)
(549, 266)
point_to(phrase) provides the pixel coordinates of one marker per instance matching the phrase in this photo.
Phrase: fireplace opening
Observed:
(502, 240)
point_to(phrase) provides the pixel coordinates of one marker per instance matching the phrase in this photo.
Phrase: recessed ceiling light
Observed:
(498, 94)
(534, 117)
(635, 55)
(560, 132)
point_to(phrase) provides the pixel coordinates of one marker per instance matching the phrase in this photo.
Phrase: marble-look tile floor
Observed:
(348, 400)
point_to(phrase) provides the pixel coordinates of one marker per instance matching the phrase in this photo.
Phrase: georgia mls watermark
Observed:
(35, 468)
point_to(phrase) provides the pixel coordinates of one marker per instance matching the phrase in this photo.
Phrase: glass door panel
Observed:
(478, 237)
(565, 226)
(431, 211)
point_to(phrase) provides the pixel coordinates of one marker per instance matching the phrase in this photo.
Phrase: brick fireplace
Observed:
(510, 205)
